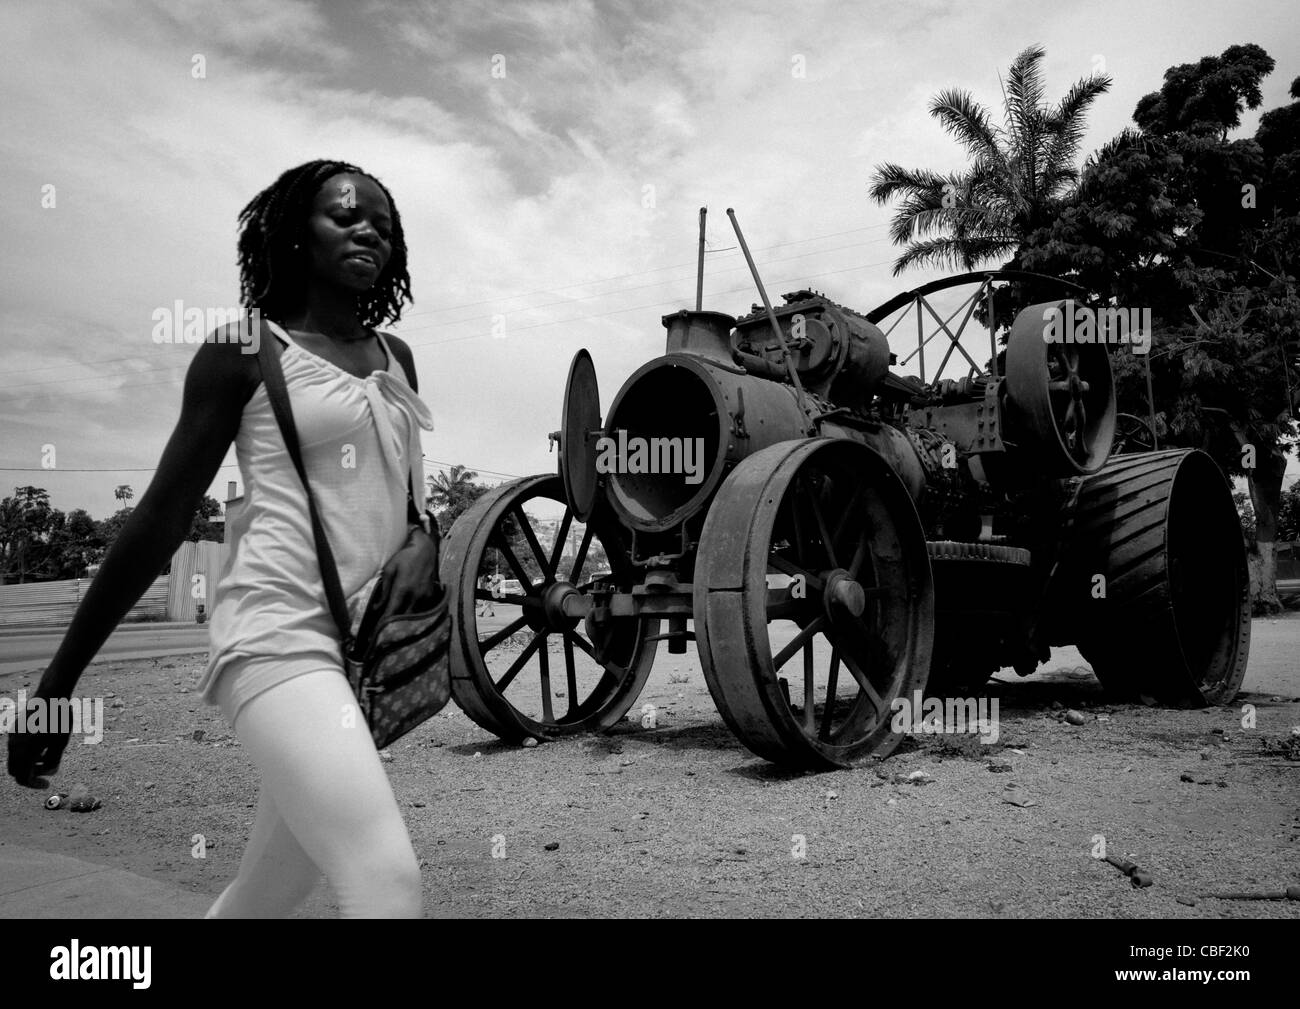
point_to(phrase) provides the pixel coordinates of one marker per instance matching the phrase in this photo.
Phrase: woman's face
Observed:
(349, 232)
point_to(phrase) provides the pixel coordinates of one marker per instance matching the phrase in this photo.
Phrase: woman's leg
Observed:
(275, 874)
(324, 779)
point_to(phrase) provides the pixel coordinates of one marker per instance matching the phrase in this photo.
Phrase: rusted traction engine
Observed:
(844, 537)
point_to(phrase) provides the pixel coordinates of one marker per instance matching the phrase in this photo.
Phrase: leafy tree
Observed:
(1205, 231)
(1288, 515)
(74, 545)
(123, 493)
(1017, 177)
(26, 524)
(203, 528)
(452, 492)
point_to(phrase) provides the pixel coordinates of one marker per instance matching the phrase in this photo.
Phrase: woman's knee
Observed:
(386, 885)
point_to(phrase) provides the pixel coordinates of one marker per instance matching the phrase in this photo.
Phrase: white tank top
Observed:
(360, 440)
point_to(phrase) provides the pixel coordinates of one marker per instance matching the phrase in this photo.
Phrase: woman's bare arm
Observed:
(218, 384)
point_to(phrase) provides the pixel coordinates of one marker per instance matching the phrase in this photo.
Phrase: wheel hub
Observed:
(552, 613)
(843, 595)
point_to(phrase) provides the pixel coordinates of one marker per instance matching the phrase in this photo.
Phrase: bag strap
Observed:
(278, 393)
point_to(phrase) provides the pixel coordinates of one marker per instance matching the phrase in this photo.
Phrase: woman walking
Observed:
(322, 259)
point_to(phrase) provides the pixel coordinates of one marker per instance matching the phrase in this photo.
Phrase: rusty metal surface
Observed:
(579, 427)
(1160, 528)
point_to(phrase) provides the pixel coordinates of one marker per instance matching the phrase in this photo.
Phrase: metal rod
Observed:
(993, 331)
(920, 336)
(699, 272)
(771, 316)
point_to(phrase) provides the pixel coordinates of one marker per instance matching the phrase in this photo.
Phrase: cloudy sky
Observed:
(556, 197)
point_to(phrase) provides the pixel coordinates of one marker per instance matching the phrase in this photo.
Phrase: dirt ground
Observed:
(681, 820)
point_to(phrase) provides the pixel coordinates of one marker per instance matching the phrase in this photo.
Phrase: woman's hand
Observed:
(409, 577)
(35, 755)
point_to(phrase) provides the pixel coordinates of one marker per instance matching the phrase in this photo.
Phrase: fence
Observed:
(170, 597)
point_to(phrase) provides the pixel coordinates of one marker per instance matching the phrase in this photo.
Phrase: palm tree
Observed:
(124, 493)
(1018, 172)
(447, 489)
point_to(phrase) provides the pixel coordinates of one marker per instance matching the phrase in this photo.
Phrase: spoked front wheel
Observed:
(522, 664)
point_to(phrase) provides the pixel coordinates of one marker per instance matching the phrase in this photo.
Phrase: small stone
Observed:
(1057, 706)
(551, 845)
(1205, 754)
(1075, 717)
(477, 754)
(891, 801)
(1188, 901)
(999, 768)
(198, 735)
(387, 757)
(1186, 777)
(1216, 732)
(1103, 718)
(832, 794)
(529, 742)
(147, 784)
(1275, 698)
(418, 804)
(118, 704)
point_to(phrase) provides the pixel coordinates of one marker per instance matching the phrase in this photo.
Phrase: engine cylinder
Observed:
(691, 420)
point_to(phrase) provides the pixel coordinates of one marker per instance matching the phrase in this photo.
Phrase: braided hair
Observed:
(273, 275)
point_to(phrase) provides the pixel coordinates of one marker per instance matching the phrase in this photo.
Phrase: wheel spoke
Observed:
(797, 642)
(513, 561)
(859, 555)
(782, 606)
(847, 515)
(809, 689)
(557, 548)
(827, 544)
(586, 646)
(520, 662)
(571, 675)
(785, 567)
(527, 528)
(832, 686)
(487, 644)
(864, 683)
(548, 712)
(581, 557)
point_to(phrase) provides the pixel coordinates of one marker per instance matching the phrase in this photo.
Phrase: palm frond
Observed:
(889, 180)
(967, 120)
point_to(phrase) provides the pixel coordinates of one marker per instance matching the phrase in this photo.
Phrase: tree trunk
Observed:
(1265, 485)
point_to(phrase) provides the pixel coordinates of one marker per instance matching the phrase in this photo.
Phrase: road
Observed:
(26, 650)
(1273, 667)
